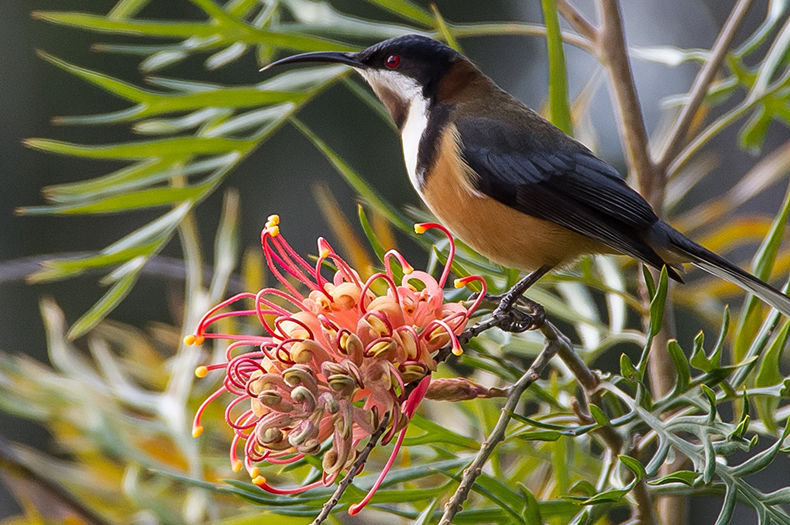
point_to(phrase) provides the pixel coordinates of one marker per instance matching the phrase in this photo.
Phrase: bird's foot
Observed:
(512, 318)
(514, 312)
(514, 315)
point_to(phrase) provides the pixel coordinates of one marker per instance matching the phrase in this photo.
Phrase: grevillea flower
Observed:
(336, 357)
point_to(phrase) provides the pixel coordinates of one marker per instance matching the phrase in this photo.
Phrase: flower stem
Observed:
(353, 471)
(554, 341)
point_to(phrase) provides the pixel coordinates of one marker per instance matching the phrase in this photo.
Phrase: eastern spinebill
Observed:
(509, 183)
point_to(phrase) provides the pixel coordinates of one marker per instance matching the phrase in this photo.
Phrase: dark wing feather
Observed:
(561, 181)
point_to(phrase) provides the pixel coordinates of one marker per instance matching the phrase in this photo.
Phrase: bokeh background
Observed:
(279, 177)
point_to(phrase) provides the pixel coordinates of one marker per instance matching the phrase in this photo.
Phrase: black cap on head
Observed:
(424, 59)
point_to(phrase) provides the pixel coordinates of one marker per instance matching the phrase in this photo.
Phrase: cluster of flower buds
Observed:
(337, 355)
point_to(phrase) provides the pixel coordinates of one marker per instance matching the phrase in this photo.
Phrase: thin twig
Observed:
(577, 20)
(699, 88)
(554, 341)
(355, 469)
(633, 134)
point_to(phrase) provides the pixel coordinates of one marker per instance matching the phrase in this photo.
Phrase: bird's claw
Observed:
(514, 320)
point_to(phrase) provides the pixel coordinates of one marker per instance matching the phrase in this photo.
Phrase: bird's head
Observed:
(399, 70)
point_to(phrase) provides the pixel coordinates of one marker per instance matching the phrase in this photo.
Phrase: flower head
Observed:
(338, 354)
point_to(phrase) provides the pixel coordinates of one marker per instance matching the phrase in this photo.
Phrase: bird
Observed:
(506, 181)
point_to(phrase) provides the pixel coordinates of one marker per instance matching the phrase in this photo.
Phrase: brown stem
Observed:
(633, 134)
(554, 341)
(577, 20)
(355, 469)
(699, 88)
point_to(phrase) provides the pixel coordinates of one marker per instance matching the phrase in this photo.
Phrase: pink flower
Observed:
(337, 357)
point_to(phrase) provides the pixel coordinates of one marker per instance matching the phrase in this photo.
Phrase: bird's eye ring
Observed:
(392, 61)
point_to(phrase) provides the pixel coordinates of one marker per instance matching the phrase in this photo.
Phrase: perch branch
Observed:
(554, 341)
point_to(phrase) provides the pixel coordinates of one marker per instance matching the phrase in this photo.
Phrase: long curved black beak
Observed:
(336, 57)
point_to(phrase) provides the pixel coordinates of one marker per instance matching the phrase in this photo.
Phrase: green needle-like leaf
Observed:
(559, 105)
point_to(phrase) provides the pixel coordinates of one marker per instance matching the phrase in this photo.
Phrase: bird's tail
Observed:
(717, 265)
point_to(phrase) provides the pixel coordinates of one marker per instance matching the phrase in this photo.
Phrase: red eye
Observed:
(392, 61)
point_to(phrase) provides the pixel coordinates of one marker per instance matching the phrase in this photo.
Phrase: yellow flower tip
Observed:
(459, 283)
(197, 431)
(458, 351)
(259, 480)
(274, 231)
(190, 340)
(408, 269)
(273, 219)
(255, 473)
(324, 253)
(420, 228)
(236, 466)
(199, 340)
(201, 371)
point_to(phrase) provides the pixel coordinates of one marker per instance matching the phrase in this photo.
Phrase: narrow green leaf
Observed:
(741, 428)
(105, 82)
(682, 372)
(109, 300)
(770, 375)
(598, 415)
(407, 10)
(504, 493)
(135, 27)
(378, 249)
(441, 25)
(151, 103)
(565, 431)
(559, 462)
(609, 496)
(698, 359)
(762, 264)
(686, 477)
(778, 497)
(540, 435)
(145, 149)
(559, 105)
(709, 468)
(156, 28)
(70, 192)
(425, 516)
(628, 370)
(649, 282)
(446, 435)
(127, 8)
(59, 269)
(129, 201)
(710, 395)
(583, 488)
(658, 302)
(634, 466)
(531, 512)
(728, 507)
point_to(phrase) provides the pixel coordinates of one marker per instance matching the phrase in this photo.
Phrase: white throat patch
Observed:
(410, 93)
